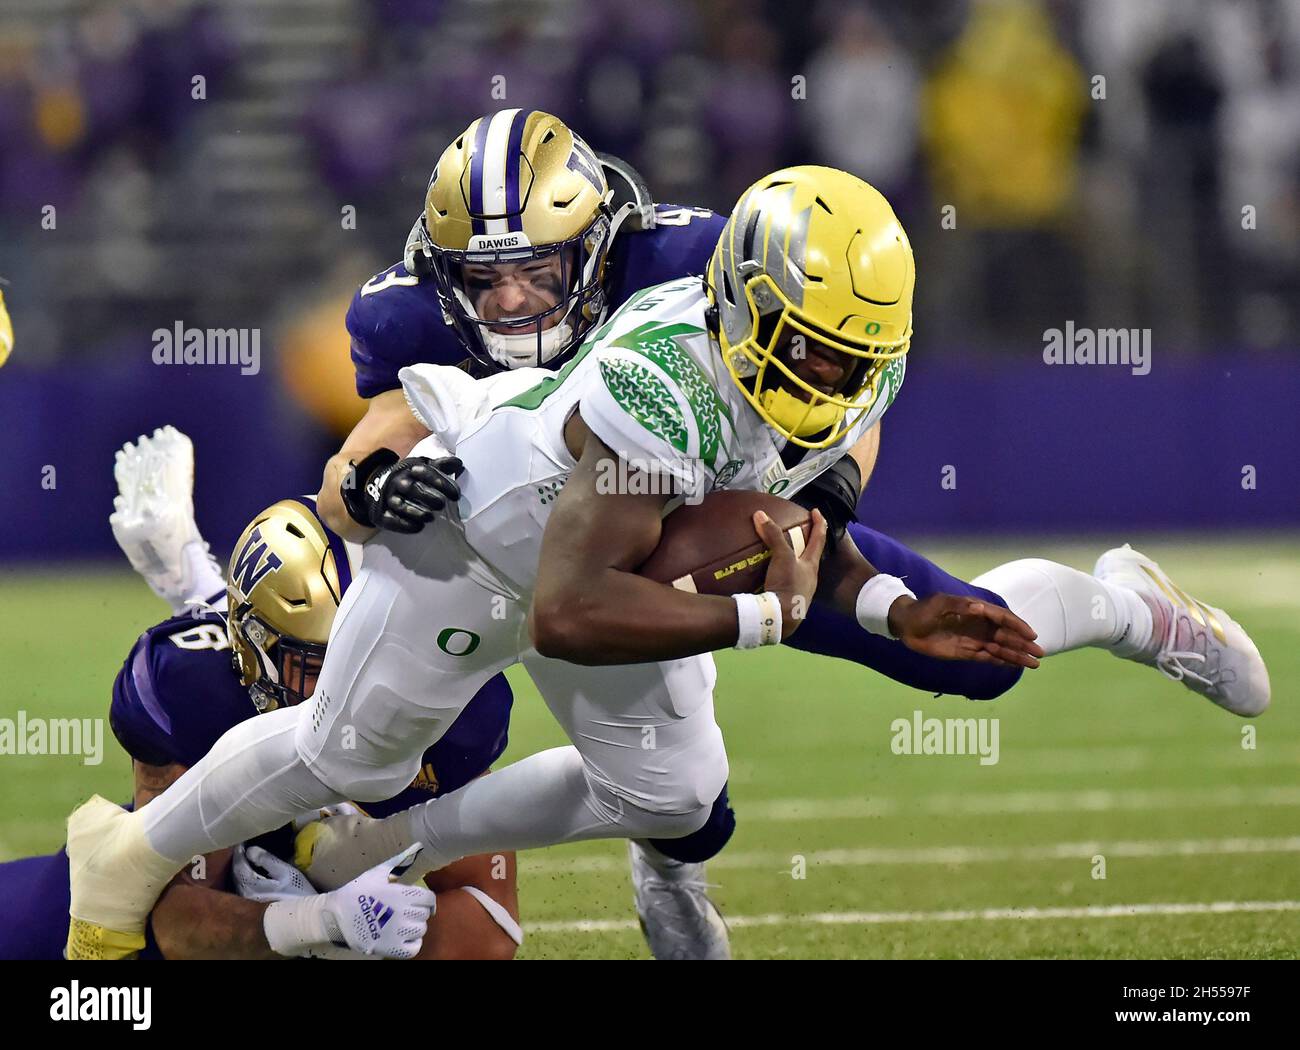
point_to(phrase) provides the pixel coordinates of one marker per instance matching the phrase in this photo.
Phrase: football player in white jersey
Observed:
(793, 349)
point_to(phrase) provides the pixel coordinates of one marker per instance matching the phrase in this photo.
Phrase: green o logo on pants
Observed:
(456, 641)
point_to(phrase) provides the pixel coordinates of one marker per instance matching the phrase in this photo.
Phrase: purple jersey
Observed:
(175, 696)
(177, 693)
(395, 319)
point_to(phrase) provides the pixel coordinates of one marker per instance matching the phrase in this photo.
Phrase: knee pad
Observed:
(707, 841)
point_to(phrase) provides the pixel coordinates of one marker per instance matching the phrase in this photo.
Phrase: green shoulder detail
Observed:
(659, 343)
(892, 379)
(645, 397)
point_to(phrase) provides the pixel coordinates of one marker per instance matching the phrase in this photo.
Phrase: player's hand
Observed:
(792, 577)
(374, 915)
(402, 495)
(260, 875)
(951, 627)
(153, 518)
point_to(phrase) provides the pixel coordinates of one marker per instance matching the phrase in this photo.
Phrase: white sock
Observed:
(251, 782)
(1071, 609)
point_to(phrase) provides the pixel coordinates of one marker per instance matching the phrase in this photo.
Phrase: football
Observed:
(711, 547)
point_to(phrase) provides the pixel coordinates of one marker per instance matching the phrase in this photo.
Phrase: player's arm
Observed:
(865, 452)
(836, 491)
(589, 606)
(947, 626)
(387, 424)
(478, 910)
(192, 919)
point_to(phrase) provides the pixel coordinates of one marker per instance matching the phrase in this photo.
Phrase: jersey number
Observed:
(680, 216)
(202, 636)
(387, 280)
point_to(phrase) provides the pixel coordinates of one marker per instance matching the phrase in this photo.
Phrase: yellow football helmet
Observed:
(517, 187)
(816, 253)
(286, 579)
(6, 332)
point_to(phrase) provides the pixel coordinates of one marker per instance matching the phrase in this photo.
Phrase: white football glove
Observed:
(373, 915)
(153, 519)
(259, 875)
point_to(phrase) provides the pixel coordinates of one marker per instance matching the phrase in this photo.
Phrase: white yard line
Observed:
(1002, 802)
(882, 918)
(779, 862)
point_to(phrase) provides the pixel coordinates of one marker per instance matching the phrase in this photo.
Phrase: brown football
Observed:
(711, 547)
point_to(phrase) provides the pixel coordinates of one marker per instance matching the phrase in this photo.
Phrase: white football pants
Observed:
(419, 632)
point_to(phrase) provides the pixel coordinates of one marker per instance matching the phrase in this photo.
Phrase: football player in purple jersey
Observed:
(256, 645)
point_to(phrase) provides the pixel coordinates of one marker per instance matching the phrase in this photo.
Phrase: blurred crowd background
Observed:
(1093, 159)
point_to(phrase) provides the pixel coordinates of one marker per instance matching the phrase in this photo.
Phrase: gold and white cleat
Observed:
(1200, 646)
(115, 878)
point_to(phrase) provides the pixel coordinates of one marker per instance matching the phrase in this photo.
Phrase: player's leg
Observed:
(672, 724)
(648, 762)
(393, 681)
(707, 841)
(1129, 606)
(831, 633)
(670, 888)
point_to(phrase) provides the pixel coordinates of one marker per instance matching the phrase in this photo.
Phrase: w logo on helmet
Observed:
(253, 562)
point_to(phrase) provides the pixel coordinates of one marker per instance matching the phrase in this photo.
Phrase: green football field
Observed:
(844, 848)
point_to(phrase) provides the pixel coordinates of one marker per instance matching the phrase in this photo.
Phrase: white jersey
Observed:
(652, 386)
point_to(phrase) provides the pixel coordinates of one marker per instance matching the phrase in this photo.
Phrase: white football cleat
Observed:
(677, 917)
(115, 879)
(1193, 643)
(153, 519)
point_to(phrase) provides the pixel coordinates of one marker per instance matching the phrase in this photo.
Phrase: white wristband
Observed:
(295, 927)
(874, 601)
(759, 619)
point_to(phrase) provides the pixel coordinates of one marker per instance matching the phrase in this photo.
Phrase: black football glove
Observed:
(835, 493)
(400, 495)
